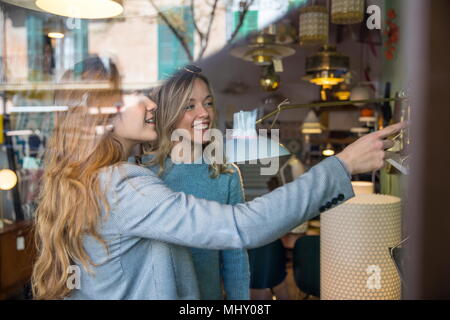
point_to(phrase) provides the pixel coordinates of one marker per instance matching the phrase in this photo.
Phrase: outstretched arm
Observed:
(142, 206)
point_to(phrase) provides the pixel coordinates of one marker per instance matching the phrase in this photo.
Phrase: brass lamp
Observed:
(269, 81)
(262, 50)
(327, 67)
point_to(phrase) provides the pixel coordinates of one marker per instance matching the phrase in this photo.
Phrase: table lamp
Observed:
(243, 143)
(362, 187)
(355, 239)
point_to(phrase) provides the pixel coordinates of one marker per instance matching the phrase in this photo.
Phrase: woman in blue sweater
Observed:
(187, 101)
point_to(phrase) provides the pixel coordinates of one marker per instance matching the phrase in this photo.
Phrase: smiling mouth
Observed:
(201, 126)
(150, 121)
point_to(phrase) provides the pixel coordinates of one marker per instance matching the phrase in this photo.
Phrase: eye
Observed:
(191, 107)
(210, 104)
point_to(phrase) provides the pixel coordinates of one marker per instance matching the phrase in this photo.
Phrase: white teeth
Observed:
(201, 126)
(150, 121)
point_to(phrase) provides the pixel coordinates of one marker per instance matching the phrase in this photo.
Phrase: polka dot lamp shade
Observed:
(355, 239)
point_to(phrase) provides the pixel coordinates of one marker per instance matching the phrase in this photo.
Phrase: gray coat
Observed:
(148, 227)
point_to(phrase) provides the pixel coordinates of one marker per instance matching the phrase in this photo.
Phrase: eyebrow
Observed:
(207, 97)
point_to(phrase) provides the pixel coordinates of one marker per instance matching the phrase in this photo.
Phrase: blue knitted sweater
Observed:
(216, 270)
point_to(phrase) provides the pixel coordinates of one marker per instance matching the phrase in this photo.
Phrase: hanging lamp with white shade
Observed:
(82, 9)
(311, 125)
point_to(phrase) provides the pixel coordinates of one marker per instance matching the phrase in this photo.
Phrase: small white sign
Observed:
(278, 65)
(20, 243)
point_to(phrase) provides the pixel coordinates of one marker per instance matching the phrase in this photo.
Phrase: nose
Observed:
(201, 111)
(150, 105)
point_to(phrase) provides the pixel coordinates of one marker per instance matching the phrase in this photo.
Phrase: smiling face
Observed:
(135, 123)
(198, 116)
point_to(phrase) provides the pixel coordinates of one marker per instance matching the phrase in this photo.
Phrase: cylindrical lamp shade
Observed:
(362, 187)
(347, 11)
(313, 25)
(355, 238)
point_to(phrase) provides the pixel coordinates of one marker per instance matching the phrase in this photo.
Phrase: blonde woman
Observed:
(186, 102)
(108, 229)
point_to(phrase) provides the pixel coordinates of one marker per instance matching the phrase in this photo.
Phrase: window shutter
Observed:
(80, 42)
(171, 54)
(35, 46)
(250, 22)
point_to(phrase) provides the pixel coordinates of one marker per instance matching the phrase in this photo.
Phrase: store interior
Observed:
(321, 73)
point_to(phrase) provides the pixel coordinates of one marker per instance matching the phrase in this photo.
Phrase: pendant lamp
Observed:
(313, 22)
(83, 9)
(347, 11)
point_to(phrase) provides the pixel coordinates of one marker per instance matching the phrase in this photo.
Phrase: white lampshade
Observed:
(311, 125)
(362, 187)
(248, 149)
(360, 92)
(355, 239)
(245, 144)
(83, 9)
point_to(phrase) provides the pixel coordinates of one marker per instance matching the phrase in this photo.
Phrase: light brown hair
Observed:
(68, 205)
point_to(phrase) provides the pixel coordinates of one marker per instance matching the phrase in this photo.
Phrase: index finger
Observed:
(390, 130)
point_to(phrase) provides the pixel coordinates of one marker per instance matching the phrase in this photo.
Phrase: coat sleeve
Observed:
(234, 264)
(142, 206)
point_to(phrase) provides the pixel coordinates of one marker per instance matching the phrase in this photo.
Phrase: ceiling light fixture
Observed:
(8, 179)
(347, 11)
(83, 9)
(313, 25)
(328, 151)
(311, 125)
(327, 67)
(262, 50)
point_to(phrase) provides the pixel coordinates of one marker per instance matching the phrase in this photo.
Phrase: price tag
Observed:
(20, 243)
(278, 65)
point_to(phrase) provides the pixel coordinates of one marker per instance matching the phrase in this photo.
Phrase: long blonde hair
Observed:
(172, 97)
(68, 205)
